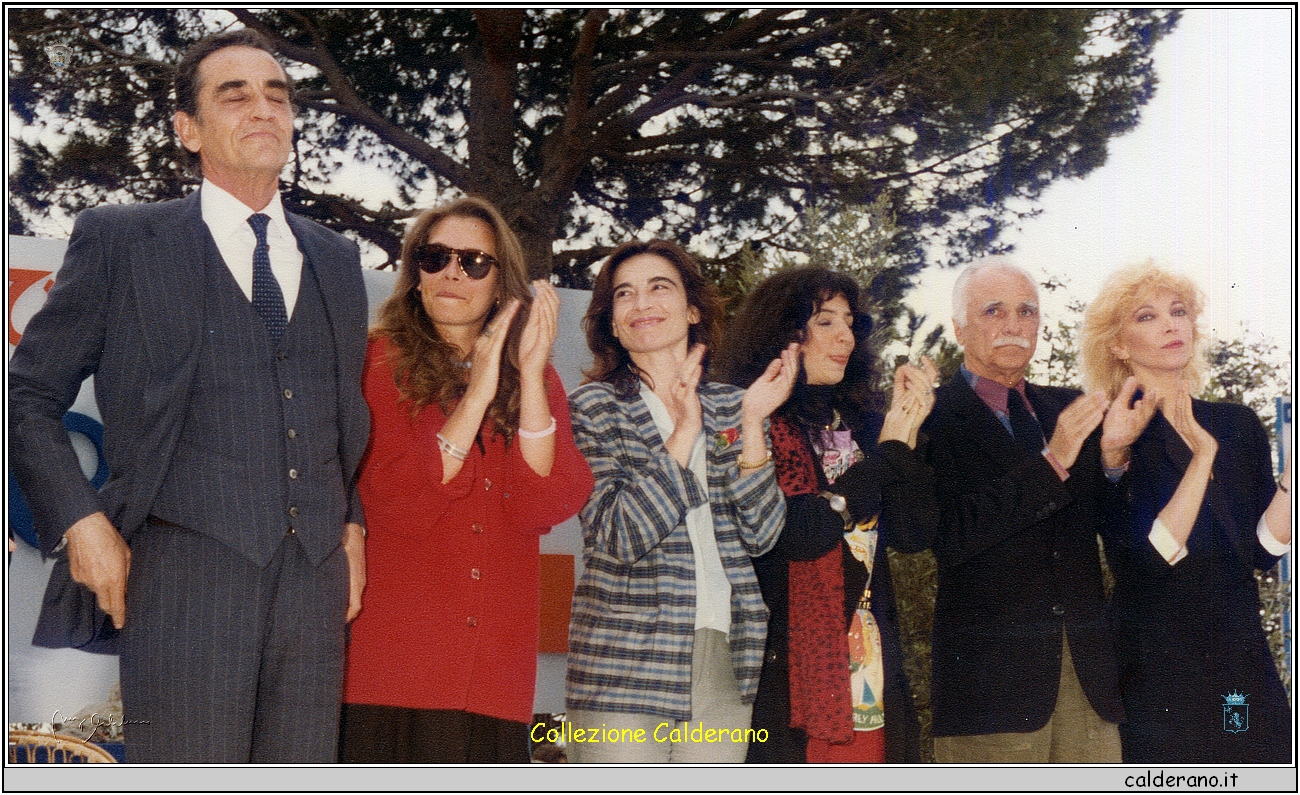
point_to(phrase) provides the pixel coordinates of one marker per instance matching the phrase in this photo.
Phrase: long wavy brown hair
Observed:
(426, 367)
(612, 362)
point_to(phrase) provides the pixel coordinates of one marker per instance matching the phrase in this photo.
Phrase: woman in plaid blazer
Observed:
(667, 634)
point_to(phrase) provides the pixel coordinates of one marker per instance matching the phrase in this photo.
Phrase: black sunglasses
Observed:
(433, 257)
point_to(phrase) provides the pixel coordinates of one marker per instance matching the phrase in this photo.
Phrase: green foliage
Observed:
(916, 586)
(717, 127)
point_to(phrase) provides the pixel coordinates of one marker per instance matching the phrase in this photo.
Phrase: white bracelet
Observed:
(451, 449)
(550, 429)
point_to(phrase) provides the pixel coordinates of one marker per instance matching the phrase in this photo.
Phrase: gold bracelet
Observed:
(743, 465)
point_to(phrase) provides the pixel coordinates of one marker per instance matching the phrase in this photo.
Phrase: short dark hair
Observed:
(776, 314)
(187, 72)
(612, 362)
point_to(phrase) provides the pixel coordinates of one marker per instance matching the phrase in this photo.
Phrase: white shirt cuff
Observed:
(1270, 544)
(1164, 542)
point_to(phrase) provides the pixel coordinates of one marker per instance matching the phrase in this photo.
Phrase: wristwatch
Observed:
(840, 506)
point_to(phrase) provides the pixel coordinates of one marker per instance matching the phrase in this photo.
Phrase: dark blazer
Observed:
(1190, 634)
(127, 308)
(1019, 564)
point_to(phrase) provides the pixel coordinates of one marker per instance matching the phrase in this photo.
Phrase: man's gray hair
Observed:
(962, 286)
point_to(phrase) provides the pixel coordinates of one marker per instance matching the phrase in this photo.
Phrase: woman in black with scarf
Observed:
(854, 484)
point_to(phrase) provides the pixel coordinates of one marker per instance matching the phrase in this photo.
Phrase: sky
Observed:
(1204, 185)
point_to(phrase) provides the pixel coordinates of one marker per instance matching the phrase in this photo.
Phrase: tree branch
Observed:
(348, 103)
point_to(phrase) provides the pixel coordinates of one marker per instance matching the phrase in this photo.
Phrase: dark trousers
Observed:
(226, 662)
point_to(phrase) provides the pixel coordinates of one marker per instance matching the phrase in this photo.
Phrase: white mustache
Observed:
(1021, 341)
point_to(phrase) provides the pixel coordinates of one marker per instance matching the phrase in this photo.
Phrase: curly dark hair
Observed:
(775, 314)
(425, 366)
(612, 362)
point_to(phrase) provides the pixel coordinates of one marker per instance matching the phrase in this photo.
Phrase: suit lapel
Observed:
(712, 454)
(1045, 409)
(982, 424)
(1179, 456)
(169, 259)
(322, 253)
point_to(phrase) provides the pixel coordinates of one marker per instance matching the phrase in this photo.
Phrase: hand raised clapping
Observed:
(1177, 408)
(485, 358)
(773, 387)
(539, 331)
(682, 400)
(910, 403)
(1125, 420)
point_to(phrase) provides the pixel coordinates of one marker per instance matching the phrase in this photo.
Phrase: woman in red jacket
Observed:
(471, 459)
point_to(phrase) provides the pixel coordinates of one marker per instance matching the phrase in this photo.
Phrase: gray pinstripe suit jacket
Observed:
(127, 307)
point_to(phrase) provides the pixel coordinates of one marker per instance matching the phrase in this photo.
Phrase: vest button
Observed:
(475, 574)
(1058, 610)
(291, 532)
(293, 511)
(293, 474)
(293, 434)
(288, 394)
(471, 621)
(477, 528)
(487, 484)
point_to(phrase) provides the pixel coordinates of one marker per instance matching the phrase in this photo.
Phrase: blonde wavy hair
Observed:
(1105, 316)
(425, 366)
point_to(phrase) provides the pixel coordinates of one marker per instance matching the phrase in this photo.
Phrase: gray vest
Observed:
(258, 456)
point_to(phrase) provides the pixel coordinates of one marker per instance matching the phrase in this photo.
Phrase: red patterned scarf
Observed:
(820, 701)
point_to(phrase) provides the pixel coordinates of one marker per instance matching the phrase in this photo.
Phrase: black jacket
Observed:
(1019, 564)
(1190, 634)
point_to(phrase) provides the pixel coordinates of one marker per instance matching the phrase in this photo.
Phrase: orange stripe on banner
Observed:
(557, 600)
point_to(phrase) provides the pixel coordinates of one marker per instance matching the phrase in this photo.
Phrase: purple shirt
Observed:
(994, 395)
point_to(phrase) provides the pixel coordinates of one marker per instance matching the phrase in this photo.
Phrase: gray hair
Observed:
(962, 285)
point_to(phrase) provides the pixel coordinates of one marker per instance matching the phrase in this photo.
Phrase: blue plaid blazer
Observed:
(633, 623)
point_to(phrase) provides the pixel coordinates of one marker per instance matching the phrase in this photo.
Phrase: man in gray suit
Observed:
(226, 337)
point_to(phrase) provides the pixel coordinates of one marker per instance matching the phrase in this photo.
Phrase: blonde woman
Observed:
(1194, 511)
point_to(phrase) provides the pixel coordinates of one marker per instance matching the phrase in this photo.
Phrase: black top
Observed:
(893, 479)
(1190, 634)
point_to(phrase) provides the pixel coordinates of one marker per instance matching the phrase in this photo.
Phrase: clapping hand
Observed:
(1125, 420)
(539, 331)
(682, 400)
(485, 358)
(1075, 423)
(773, 387)
(1177, 409)
(910, 403)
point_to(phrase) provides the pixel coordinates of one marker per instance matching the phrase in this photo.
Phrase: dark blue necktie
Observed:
(1024, 426)
(268, 300)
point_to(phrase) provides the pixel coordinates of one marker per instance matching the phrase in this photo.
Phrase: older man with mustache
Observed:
(1023, 660)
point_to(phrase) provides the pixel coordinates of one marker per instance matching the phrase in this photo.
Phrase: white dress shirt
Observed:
(712, 588)
(227, 220)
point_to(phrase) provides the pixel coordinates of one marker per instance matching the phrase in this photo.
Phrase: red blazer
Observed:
(450, 615)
